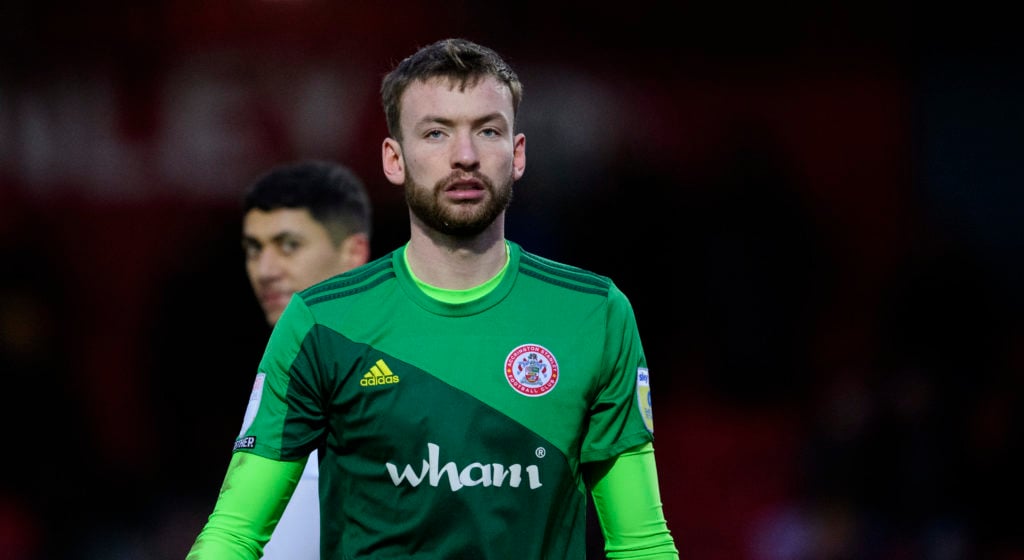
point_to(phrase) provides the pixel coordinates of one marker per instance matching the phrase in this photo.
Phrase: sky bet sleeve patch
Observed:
(643, 397)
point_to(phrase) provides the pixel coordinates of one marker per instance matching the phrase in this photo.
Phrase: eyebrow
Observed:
(497, 115)
(276, 238)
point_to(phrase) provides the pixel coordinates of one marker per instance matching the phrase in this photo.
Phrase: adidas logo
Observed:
(379, 374)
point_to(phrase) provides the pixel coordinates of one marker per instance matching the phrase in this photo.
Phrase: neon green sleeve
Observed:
(628, 504)
(252, 498)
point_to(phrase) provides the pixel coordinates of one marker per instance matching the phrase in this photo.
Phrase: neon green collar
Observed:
(457, 296)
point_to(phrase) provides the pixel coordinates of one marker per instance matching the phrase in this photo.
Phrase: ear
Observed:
(518, 156)
(393, 161)
(355, 250)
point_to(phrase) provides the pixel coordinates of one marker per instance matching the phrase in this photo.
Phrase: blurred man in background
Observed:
(303, 222)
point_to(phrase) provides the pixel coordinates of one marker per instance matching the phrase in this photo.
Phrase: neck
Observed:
(456, 263)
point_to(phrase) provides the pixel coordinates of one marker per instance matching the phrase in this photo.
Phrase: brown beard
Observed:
(457, 220)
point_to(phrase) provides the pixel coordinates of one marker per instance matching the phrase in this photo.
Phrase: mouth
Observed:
(465, 189)
(275, 300)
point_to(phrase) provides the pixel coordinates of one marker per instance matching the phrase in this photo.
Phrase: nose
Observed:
(465, 154)
(267, 265)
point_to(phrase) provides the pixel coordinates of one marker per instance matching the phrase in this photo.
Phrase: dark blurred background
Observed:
(815, 208)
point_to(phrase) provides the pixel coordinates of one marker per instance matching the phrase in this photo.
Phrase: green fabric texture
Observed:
(452, 429)
(628, 505)
(249, 478)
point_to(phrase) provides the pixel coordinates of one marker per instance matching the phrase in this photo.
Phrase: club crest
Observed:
(531, 370)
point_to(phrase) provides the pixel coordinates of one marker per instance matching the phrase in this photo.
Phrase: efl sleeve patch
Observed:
(254, 403)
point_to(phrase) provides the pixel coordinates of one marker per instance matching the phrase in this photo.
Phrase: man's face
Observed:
(286, 250)
(461, 157)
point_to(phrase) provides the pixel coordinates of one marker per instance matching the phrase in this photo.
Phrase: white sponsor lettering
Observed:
(474, 474)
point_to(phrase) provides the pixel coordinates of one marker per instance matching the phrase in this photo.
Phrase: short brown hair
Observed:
(460, 60)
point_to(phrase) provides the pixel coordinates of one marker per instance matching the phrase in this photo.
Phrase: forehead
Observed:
(265, 225)
(446, 97)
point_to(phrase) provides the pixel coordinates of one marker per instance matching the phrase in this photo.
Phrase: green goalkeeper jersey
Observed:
(453, 430)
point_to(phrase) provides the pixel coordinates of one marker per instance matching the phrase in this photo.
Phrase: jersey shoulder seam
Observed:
(564, 275)
(355, 281)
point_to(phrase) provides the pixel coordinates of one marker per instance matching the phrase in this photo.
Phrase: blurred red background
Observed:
(811, 207)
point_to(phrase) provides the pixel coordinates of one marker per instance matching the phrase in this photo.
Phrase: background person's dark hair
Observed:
(333, 194)
(463, 61)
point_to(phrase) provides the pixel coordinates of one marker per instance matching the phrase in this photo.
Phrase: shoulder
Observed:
(563, 275)
(356, 281)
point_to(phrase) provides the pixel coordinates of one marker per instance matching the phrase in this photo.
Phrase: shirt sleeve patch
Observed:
(643, 397)
(254, 403)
